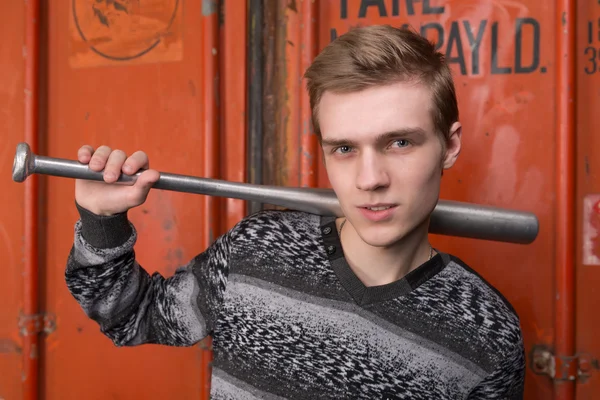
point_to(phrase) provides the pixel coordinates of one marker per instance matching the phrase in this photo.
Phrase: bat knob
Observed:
(23, 163)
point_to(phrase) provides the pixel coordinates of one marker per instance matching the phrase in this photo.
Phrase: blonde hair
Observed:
(379, 55)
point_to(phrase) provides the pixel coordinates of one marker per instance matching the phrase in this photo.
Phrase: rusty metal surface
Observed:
(504, 57)
(11, 212)
(565, 170)
(271, 82)
(33, 224)
(254, 133)
(162, 108)
(308, 49)
(290, 44)
(233, 105)
(587, 324)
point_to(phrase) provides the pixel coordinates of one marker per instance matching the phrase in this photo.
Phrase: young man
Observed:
(307, 307)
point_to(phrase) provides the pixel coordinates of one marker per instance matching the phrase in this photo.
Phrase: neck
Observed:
(376, 266)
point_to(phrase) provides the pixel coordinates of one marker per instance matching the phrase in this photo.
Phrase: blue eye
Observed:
(402, 142)
(343, 149)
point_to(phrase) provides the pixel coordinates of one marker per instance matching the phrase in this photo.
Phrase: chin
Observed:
(378, 236)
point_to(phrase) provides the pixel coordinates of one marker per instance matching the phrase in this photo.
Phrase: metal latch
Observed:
(36, 323)
(563, 368)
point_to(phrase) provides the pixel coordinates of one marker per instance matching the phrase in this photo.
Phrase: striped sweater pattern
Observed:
(290, 320)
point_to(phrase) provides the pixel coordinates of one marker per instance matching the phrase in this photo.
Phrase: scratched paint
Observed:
(157, 107)
(115, 32)
(9, 346)
(588, 189)
(507, 94)
(591, 229)
(209, 7)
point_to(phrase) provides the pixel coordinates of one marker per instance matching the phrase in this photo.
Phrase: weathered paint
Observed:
(12, 210)
(565, 170)
(506, 64)
(308, 148)
(233, 107)
(169, 110)
(115, 33)
(587, 98)
(591, 230)
(256, 89)
(33, 225)
(288, 111)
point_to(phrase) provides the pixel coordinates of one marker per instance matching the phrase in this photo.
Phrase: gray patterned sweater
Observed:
(290, 320)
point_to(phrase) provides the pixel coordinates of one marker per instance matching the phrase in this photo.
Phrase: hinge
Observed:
(36, 324)
(562, 368)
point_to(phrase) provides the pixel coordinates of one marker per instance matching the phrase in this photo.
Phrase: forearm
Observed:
(130, 306)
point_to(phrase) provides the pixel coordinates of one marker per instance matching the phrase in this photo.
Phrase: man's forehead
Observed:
(376, 110)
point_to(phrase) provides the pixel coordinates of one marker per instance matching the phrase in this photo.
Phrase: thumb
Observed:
(143, 184)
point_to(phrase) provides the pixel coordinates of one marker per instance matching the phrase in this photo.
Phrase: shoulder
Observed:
(280, 219)
(486, 308)
(274, 226)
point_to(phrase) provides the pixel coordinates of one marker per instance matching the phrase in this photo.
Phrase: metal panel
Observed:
(182, 99)
(290, 42)
(12, 210)
(169, 109)
(588, 193)
(233, 109)
(503, 58)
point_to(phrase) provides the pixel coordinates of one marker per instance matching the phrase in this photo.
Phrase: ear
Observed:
(453, 146)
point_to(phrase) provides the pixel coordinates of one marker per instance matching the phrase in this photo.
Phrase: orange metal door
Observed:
(588, 199)
(12, 195)
(169, 77)
(143, 75)
(102, 89)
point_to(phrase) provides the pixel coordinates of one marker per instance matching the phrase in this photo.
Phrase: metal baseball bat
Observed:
(450, 218)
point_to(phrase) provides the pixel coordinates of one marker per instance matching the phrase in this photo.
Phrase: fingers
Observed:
(135, 162)
(99, 158)
(112, 162)
(115, 161)
(85, 154)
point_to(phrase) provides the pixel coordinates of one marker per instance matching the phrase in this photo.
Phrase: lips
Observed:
(377, 212)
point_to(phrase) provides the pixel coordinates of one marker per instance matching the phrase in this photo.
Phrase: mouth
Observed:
(378, 208)
(377, 212)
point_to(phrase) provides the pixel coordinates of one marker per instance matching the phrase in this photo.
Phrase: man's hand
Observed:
(106, 198)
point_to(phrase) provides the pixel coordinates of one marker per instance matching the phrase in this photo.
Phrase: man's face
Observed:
(384, 159)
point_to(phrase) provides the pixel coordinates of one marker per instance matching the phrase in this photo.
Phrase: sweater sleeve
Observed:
(133, 307)
(507, 381)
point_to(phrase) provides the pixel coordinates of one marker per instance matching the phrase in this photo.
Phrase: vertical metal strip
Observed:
(289, 108)
(211, 206)
(254, 138)
(233, 90)
(273, 68)
(30, 274)
(308, 49)
(564, 324)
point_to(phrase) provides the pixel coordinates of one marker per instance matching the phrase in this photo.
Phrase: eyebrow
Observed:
(416, 133)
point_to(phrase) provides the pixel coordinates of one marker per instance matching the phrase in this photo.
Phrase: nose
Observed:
(372, 174)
